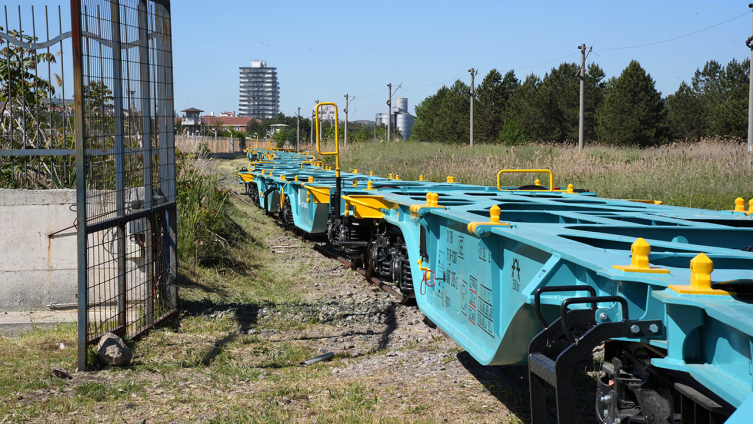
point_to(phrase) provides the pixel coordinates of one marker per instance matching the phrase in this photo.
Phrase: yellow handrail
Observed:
(525, 171)
(313, 163)
(260, 162)
(305, 155)
(337, 144)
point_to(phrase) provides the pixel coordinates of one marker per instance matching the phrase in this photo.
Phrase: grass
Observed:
(709, 174)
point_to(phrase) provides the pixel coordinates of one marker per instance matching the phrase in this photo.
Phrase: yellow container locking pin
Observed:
(296, 178)
(537, 182)
(282, 178)
(355, 183)
(494, 213)
(450, 179)
(701, 268)
(369, 185)
(390, 177)
(420, 178)
(432, 201)
(397, 177)
(570, 188)
(640, 250)
(371, 173)
(355, 171)
(739, 204)
(311, 179)
(262, 172)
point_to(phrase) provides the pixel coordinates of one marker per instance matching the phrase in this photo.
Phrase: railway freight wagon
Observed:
(508, 272)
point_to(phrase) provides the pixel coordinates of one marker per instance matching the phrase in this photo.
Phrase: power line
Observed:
(435, 83)
(372, 95)
(544, 63)
(675, 38)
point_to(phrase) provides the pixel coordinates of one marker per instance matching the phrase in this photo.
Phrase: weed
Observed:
(709, 174)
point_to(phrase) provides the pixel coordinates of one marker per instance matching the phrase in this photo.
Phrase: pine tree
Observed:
(491, 97)
(524, 108)
(730, 116)
(632, 112)
(455, 115)
(425, 128)
(445, 116)
(685, 114)
(595, 91)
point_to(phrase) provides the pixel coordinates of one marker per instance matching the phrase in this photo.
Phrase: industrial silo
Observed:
(405, 124)
(401, 104)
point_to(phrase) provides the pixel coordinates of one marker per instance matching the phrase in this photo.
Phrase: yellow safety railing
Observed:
(525, 171)
(337, 143)
(313, 162)
(259, 163)
(304, 155)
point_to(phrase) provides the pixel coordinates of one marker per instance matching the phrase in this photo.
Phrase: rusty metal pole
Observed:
(78, 117)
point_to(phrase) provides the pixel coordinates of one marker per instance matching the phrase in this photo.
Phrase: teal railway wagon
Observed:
(508, 272)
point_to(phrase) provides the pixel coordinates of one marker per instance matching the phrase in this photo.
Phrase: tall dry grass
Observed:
(709, 174)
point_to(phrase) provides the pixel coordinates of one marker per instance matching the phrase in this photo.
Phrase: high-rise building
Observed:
(259, 91)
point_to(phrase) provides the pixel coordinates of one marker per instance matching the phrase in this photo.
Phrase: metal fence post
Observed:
(78, 84)
(117, 68)
(167, 144)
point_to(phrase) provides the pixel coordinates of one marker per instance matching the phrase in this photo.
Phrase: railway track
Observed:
(329, 251)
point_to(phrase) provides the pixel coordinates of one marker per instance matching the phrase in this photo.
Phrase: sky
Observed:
(324, 50)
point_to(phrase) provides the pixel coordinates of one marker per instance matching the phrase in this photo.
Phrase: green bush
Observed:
(203, 209)
(512, 134)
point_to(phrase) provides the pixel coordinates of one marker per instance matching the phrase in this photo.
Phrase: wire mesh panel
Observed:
(36, 106)
(125, 166)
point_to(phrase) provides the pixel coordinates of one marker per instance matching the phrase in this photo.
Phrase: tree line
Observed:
(622, 110)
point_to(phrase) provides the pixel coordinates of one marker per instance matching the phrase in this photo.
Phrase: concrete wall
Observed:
(37, 271)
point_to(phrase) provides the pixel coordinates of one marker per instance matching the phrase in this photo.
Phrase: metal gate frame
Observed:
(137, 144)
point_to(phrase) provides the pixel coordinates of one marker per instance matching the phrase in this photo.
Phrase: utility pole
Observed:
(298, 130)
(582, 76)
(346, 116)
(473, 94)
(313, 115)
(389, 112)
(750, 95)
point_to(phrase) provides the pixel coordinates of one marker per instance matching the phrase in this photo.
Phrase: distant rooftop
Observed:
(192, 109)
